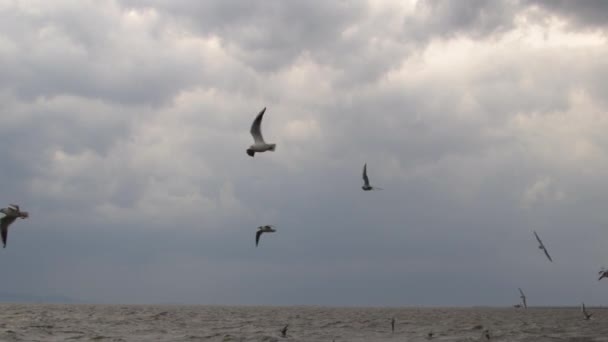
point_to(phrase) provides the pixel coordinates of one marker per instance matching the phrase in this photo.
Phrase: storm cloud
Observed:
(124, 126)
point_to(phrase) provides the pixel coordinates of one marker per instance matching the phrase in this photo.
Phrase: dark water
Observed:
(33, 322)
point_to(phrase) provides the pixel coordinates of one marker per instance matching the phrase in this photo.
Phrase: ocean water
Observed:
(42, 322)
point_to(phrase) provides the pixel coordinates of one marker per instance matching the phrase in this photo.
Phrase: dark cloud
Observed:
(476, 18)
(124, 126)
(587, 14)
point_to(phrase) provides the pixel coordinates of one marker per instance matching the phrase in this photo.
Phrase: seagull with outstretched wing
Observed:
(541, 245)
(586, 315)
(7, 217)
(261, 230)
(366, 186)
(259, 145)
(523, 298)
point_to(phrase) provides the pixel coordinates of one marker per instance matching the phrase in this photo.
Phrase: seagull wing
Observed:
(523, 298)
(538, 239)
(365, 178)
(257, 237)
(547, 254)
(4, 223)
(256, 130)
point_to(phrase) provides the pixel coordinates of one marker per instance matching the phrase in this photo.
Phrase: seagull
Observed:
(393, 324)
(585, 313)
(542, 246)
(603, 274)
(8, 216)
(486, 334)
(259, 145)
(263, 229)
(366, 186)
(523, 298)
(284, 331)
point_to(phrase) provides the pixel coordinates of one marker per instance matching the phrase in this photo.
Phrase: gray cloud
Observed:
(582, 14)
(446, 18)
(124, 126)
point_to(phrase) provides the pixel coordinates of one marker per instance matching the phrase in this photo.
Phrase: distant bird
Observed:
(586, 315)
(259, 145)
(542, 246)
(486, 334)
(523, 298)
(263, 229)
(284, 331)
(603, 274)
(366, 186)
(517, 306)
(393, 324)
(7, 217)
(430, 335)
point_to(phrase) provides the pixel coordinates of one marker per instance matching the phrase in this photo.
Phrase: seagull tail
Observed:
(272, 147)
(250, 152)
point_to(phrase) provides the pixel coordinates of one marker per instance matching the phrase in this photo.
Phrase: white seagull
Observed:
(263, 229)
(523, 298)
(586, 315)
(366, 186)
(542, 246)
(259, 145)
(7, 217)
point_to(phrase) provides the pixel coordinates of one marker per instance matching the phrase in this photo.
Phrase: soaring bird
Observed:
(366, 186)
(263, 229)
(259, 145)
(284, 331)
(523, 298)
(603, 274)
(586, 315)
(8, 216)
(542, 246)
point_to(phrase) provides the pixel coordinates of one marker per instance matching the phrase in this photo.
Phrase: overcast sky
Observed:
(124, 124)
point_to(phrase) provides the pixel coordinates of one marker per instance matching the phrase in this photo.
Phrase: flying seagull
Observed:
(7, 217)
(284, 331)
(366, 186)
(542, 246)
(263, 229)
(585, 313)
(523, 298)
(603, 274)
(486, 334)
(259, 145)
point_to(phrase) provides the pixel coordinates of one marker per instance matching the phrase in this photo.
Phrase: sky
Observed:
(124, 125)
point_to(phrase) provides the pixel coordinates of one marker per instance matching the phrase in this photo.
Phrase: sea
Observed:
(79, 322)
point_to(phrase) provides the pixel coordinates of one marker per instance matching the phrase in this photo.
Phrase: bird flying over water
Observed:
(393, 324)
(7, 217)
(263, 229)
(542, 246)
(259, 145)
(366, 186)
(586, 315)
(284, 331)
(523, 298)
